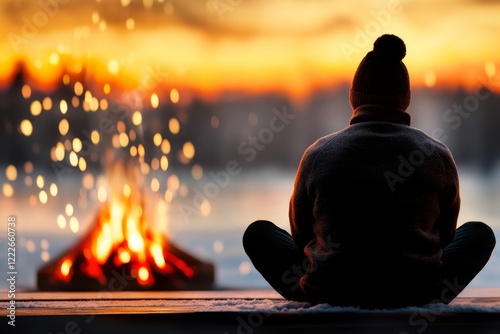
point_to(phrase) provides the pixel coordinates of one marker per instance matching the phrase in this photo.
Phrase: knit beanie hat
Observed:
(381, 77)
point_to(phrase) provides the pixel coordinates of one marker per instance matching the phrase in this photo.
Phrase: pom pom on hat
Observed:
(390, 47)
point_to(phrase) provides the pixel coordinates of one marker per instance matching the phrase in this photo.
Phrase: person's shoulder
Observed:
(324, 147)
(321, 143)
(432, 141)
(432, 145)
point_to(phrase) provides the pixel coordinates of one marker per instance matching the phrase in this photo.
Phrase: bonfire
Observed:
(122, 251)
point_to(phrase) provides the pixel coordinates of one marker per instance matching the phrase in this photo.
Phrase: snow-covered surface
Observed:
(244, 305)
(263, 301)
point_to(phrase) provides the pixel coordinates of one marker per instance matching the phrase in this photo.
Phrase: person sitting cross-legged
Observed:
(373, 214)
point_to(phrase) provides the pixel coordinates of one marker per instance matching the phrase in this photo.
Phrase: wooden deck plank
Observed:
(81, 303)
(211, 294)
(131, 295)
(208, 312)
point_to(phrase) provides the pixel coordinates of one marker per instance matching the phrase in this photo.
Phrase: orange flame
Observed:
(65, 269)
(122, 237)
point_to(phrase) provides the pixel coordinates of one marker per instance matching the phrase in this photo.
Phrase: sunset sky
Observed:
(250, 45)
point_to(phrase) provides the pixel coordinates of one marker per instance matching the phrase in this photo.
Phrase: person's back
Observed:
(374, 208)
(384, 201)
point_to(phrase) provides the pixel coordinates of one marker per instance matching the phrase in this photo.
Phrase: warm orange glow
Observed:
(63, 127)
(490, 68)
(165, 146)
(430, 78)
(124, 256)
(7, 190)
(197, 172)
(91, 267)
(66, 266)
(174, 95)
(26, 127)
(123, 139)
(61, 221)
(205, 208)
(254, 47)
(157, 251)
(95, 137)
(180, 265)
(103, 244)
(59, 151)
(73, 158)
(102, 194)
(28, 167)
(157, 139)
(173, 182)
(164, 163)
(113, 66)
(137, 118)
(82, 164)
(143, 273)
(116, 219)
(127, 190)
(188, 150)
(130, 24)
(53, 189)
(155, 184)
(47, 103)
(40, 181)
(78, 87)
(63, 107)
(36, 108)
(140, 150)
(69, 209)
(88, 181)
(123, 236)
(135, 240)
(106, 88)
(11, 172)
(155, 101)
(174, 126)
(43, 197)
(26, 91)
(77, 145)
(74, 224)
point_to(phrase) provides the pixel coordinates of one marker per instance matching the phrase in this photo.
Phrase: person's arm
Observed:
(302, 204)
(450, 205)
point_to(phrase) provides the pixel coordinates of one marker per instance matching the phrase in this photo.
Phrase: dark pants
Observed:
(273, 252)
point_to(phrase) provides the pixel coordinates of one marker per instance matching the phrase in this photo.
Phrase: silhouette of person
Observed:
(373, 214)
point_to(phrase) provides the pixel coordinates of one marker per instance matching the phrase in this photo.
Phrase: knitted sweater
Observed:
(372, 208)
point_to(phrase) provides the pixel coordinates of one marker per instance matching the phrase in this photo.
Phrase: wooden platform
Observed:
(235, 311)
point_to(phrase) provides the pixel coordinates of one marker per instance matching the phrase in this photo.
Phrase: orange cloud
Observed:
(255, 46)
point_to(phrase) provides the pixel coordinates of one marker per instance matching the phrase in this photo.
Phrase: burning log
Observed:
(120, 252)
